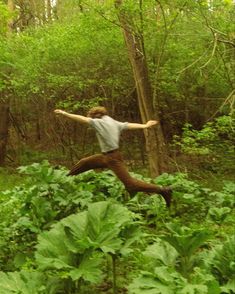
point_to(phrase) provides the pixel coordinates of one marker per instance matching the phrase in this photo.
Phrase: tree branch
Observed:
(226, 42)
(213, 52)
(227, 100)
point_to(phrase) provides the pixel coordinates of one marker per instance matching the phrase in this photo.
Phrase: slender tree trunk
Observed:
(11, 7)
(155, 145)
(49, 10)
(4, 107)
(4, 124)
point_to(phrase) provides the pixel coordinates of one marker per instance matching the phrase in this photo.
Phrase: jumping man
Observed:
(108, 133)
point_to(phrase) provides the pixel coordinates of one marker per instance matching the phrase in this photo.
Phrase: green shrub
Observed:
(214, 142)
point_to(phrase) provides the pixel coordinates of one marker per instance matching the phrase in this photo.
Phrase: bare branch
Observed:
(216, 30)
(190, 65)
(231, 97)
(227, 42)
(213, 52)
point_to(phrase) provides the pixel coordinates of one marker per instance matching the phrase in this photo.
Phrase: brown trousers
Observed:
(115, 162)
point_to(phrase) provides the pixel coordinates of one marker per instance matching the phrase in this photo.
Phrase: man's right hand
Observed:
(79, 118)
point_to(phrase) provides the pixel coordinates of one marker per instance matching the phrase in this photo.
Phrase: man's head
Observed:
(97, 112)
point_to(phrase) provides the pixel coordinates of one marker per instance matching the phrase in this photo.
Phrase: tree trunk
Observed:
(11, 7)
(155, 145)
(4, 123)
(49, 10)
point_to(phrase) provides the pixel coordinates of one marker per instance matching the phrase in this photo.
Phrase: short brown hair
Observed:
(97, 112)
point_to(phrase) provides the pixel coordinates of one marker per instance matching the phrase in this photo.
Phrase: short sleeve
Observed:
(92, 122)
(123, 125)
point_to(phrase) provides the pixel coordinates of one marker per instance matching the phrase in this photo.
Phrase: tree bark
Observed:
(4, 123)
(155, 145)
(49, 10)
(11, 7)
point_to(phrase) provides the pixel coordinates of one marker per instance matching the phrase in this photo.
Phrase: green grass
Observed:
(10, 178)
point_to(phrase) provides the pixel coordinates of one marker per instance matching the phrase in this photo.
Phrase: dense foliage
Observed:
(78, 58)
(84, 234)
(63, 234)
(214, 143)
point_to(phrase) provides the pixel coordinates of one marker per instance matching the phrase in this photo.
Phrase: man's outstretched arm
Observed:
(79, 118)
(136, 126)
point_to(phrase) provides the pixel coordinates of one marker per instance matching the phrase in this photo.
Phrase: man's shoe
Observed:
(132, 193)
(167, 195)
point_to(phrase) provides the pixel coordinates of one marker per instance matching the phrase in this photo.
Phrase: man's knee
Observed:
(82, 162)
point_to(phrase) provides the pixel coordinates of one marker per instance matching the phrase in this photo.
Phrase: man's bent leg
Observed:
(88, 163)
(117, 165)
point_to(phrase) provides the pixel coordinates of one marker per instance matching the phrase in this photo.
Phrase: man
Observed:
(108, 133)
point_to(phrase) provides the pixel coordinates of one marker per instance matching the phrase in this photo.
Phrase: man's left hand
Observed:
(151, 123)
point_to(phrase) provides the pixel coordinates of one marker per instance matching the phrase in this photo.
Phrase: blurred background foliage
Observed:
(72, 55)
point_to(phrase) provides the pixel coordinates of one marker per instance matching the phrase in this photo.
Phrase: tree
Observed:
(155, 144)
(4, 123)
(4, 107)
(11, 7)
(80, 58)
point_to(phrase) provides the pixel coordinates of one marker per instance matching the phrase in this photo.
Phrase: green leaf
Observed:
(218, 214)
(71, 244)
(162, 252)
(89, 269)
(222, 261)
(100, 226)
(19, 259)
(194, 289)
(52, 251)
(148, 285)
(229, 287)
(21, 282)
(185, 240)
(201, 277)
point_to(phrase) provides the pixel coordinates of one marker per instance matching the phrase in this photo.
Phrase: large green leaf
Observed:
(75, 227)
(202, 282)
(99, 228)
(75, 243)
(185, 240)
(22, 282)
(194, 289)
(218, 214)
(161, 281)
(89, 269)
(229, 287)
(105, 222)
(58, 250)
(222, 261)
(52, 250)
(162, 253)
(148, 285)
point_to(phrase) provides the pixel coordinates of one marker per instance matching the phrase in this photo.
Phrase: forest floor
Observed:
(196, 213)
(10, 178)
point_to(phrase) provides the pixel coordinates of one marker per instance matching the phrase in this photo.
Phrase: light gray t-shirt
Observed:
(108, 132)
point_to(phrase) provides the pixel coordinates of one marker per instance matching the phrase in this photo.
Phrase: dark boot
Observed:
(167, 195)
(132, 193)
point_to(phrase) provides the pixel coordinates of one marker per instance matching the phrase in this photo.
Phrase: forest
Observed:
(167, 60)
